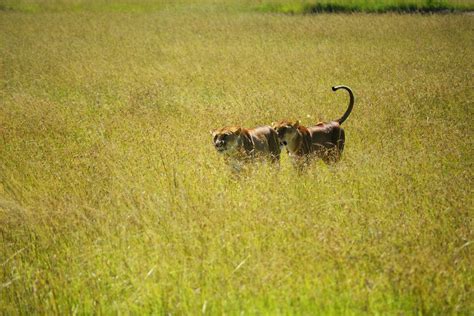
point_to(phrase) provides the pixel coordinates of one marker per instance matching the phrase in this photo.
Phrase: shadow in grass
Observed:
(4, 7)
(401, 8)
(306, 8)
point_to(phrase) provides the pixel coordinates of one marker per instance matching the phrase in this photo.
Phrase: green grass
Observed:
(370, 6)
(112, 198)
(35, 6)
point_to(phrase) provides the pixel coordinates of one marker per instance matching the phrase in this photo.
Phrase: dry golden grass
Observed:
(112, 197)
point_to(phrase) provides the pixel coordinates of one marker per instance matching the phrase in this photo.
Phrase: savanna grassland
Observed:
(113, 199)
(370, 6)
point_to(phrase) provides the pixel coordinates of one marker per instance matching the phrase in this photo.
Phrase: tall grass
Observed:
(112, 198)
(370, 6)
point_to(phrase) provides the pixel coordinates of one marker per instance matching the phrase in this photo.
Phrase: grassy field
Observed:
(368, 6)
(112, 198)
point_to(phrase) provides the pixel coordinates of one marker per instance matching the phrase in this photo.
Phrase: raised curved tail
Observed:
(351, 103)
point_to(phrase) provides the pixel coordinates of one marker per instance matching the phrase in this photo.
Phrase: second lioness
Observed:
(244, 144)
(325, 140)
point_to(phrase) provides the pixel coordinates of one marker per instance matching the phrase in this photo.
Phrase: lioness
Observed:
(325, 140)
(243, 144)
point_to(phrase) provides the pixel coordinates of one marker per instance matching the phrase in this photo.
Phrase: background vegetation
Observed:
(113, 199)
(370, 6)
(281, 6)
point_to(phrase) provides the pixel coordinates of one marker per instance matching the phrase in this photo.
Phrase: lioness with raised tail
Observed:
(242, 144)
(325, 140)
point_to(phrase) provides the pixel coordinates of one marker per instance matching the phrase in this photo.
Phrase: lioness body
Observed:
(325, 140)
(244, 144)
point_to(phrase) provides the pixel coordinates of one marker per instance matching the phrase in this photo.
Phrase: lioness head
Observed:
(226, 139)
(286, 130)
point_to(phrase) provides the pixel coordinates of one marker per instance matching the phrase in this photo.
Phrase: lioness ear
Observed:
(297, 123)
(273, 124)
(237, 132)
(212, 131)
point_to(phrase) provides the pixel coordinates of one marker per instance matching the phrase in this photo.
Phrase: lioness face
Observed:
(286, 131)
(226, 139)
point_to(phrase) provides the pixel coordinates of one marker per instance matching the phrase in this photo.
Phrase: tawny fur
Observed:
(247, 144)
(324, 140)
